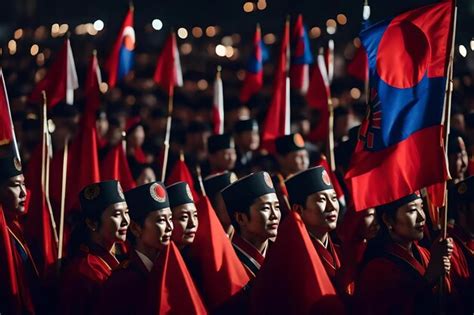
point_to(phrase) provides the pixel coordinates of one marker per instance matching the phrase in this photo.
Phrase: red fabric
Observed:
(299, 285)
(216, 119)
(359, 65)
(55, 81)
(6, 128)
(253, 81)
(181, 173)
(220, 271)
(140, 156)
(368, 168)
(38, 227)
(83, 169)
(317, 98)
(172, 289)
(166, 74)
(335, 182)
(297, 71)
(470, 167)
(10, 288)
(274, 124)
(112, 64)
(115, 166)
(83, 278)
(436, 197)
(384, 283)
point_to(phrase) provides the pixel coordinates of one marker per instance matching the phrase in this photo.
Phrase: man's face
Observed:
(223, 160)
(321, 211)
(248, 140)
(185, 222)
(295, 162)
(13, 195)
(264, 218)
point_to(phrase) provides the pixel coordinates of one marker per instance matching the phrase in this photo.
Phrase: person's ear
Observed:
(135, 229)
(92, 225)
(241, 218)
(297, 208)
(387, 221)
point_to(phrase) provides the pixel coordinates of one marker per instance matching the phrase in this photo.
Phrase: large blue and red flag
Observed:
(120, 61)
(400, 147)
(253, 80)
(301, 57)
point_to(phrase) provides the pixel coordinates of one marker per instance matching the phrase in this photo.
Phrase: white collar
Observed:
(145, 260)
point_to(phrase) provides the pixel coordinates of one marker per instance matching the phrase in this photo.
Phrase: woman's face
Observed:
(369, 225)
(114, 223)
(13, 195)
(409, 221)
(185, 221)
(157, 228)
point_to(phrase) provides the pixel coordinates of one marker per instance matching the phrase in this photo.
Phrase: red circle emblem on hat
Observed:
(325, 178)
(157, 192)
(268, 180)
(298, 140)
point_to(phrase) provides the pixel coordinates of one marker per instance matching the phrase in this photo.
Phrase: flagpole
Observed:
(199, 176)
(167, 135)
(15, 143)
(63, 200)
(332, 159)
(45, 162)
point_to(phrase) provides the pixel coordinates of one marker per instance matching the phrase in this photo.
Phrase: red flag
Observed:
(301, 57)
(38, 227)
(436, 199)
(115, 166)
(60, 81)
(120, 60)
(253, 81)
(293, 279)
(317, 97)
(84, 168)
(181, 173)
(359, 65)
(168, 68)
(214, 259)
(172, 288)
(277, 121)
(9, 290)
(7, 132)
(218, 106)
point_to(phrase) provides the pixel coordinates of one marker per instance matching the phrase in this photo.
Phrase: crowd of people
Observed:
(279, 225)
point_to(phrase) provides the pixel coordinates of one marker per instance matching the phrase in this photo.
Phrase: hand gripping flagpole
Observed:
(45, 162)
(168, 131)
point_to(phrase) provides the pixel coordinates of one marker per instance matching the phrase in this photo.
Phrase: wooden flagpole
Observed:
(63, 199)
(45, 162)
(168, 132)
(199, 176)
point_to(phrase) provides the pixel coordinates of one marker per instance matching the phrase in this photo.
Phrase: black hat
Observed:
(213, 184)
(240, 195)
(465, 189)
(145, 199)
(198, 127)
(307, 182)
(246, 125)
(289, 143)
(10, 166)
(394, 205)
(95, 198)
(220, 142)
(179, 194)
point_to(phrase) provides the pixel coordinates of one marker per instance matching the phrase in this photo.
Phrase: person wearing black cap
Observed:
(13, 205)
(292, 158)
(149, 233)
(91, 248)
(135, 136)
(254, 210)
(247, 141)
(457, 156)
(213, 184)
(185, 218)
(222, 154)
(462, 232)
(312, 195)
(399, 275)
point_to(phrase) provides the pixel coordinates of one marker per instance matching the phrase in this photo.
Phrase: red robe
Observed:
(83, 278)
(393, 283)
(330, 257)
(127, 284)
(250, 257)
